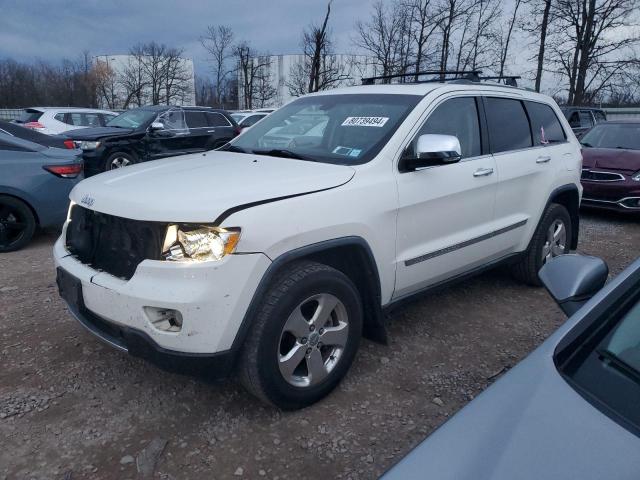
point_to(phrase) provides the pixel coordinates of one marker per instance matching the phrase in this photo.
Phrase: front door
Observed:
(446, 213)
(171, 140)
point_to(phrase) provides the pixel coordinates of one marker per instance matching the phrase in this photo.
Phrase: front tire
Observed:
(119, 160)
(304, 337)
(552, 237)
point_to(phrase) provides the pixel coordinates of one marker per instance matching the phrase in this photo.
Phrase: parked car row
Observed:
(53, 121)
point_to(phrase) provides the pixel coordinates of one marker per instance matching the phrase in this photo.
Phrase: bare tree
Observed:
(106, 84)
(453, 11)
(218, 42)
(250, 67)
(423, 18)
(133, 79)
(386, 36)
(505, 38)
(588, 49)
(536, 24)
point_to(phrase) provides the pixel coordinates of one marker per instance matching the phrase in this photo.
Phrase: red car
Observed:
(611, 166)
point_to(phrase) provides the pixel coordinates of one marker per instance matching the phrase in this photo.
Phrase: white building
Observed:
(284, 73)
(120, 66)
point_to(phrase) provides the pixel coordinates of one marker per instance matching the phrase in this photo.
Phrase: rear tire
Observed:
(552, 237)
(119, 160)
(17, 224)
(304, 337)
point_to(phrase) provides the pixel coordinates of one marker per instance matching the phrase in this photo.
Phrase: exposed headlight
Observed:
(199, 242)
(89, 145)
(636, 176)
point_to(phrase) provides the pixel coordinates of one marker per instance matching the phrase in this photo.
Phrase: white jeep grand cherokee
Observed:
(269, 258)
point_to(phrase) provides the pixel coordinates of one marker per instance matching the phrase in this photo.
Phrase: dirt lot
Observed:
(71, 408)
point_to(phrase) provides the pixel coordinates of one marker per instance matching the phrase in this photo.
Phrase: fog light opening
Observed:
(164, 319)
(631, 202)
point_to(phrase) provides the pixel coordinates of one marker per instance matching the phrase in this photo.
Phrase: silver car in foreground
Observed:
(570, 410)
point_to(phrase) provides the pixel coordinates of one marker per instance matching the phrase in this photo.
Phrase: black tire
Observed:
(527, 268)
(259, 370)
(17, 224)
(119, 158)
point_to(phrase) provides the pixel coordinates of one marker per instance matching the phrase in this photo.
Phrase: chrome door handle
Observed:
(483, 172)
(546, 159)
(210, 131)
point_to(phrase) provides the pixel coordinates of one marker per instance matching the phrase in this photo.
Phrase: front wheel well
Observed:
(569, 198)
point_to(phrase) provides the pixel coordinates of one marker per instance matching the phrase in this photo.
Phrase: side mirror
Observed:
(573, 279)
(432, 150)
(156, 126)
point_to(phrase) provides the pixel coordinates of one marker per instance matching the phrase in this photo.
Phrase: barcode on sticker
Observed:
(365, 121)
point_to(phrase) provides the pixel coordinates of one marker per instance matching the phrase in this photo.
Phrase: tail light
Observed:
(34, 125)
(70, 144)
(64, 171)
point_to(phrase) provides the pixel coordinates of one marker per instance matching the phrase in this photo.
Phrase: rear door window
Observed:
(508, 124)
(545, 124)
(196, 119)
(90, 120)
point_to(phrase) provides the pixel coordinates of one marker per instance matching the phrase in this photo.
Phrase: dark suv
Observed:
(582, 119)
(153, 132)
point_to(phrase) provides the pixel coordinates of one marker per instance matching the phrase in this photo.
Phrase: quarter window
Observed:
(508, 125)
(545, 124)
(457, 117)
(217, 120)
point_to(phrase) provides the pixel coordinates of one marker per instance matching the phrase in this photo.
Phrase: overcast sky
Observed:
(55, 29)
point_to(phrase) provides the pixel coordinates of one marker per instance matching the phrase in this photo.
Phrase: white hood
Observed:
(200, 187)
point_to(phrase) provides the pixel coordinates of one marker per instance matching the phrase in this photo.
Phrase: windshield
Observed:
(344, 129)
(132, 119)
(613, 135)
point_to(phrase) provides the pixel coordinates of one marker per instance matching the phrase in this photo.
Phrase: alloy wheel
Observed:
(556, 241)
(313, 340)
(119, 162)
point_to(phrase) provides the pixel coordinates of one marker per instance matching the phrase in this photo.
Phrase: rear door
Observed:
(199, 131)
(446, 212)
(528, 144)
(221, 129)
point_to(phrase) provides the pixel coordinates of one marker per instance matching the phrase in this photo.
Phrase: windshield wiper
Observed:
(227, 147)
(276, 152)
(620, 364)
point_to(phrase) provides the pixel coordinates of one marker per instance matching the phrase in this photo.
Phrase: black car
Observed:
(582, 119)
(153, 132)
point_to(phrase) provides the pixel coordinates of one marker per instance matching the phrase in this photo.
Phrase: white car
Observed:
(248, 119)
(53, 120)
(270, 263)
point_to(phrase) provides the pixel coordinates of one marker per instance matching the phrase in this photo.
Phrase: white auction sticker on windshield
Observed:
(365, 121)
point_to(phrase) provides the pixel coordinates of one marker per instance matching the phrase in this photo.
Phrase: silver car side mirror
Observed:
(157, 126)
(431, 150)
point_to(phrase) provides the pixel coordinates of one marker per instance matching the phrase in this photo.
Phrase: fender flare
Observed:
(376, 329)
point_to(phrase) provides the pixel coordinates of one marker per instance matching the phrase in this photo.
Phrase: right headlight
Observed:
(636, 176)
(200, 243)
(86, 145)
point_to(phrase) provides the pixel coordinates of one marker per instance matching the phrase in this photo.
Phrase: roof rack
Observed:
(459, 76)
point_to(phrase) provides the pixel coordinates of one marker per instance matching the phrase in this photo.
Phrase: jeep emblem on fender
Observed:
(87, 200)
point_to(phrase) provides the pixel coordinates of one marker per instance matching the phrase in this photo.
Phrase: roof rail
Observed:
(473, 75)
(459, 76)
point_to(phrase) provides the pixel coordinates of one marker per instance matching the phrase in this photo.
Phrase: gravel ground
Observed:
(71, 408)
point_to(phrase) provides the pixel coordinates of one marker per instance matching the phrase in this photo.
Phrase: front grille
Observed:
(113, 244)
(597, 176)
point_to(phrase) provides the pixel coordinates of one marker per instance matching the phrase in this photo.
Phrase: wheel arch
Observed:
(350, 255)
(569, 197)
(23, 199)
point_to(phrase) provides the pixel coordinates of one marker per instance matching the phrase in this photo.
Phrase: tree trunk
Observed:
(543, 40)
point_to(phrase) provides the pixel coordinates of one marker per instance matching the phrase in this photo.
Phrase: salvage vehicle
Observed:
(150, 133)
(611, 166)
(38, 172)
(571, 409)
(267, 264)
(581, 119)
